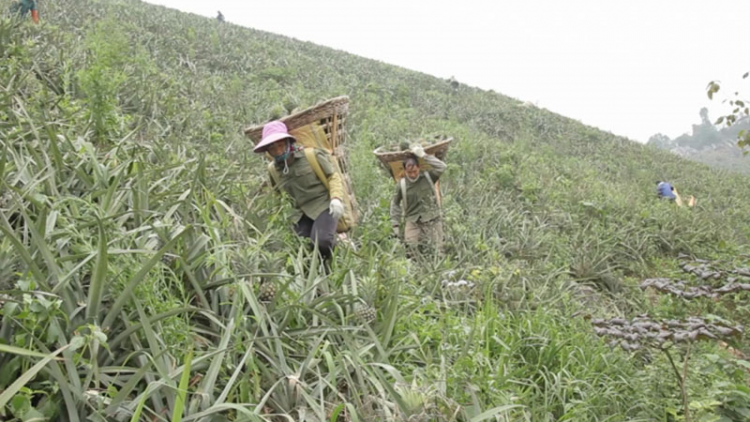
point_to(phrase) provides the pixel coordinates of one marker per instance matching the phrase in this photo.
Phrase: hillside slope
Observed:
(137, 232)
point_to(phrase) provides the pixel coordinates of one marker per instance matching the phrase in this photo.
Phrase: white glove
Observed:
(336, 208)
(418, 150)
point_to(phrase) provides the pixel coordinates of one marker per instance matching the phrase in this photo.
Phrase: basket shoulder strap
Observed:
(402, 182)
(313, 160)
(436, 187)
(428, 177)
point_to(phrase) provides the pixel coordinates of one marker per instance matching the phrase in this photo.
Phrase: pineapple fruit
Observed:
(266, 292)
(365, 313)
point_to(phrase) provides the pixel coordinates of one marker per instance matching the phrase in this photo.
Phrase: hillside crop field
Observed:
(137, 233)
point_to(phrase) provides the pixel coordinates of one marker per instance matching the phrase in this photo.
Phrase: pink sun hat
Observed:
(272, 132)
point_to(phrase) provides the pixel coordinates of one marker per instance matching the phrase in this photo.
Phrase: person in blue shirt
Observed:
(665, 190)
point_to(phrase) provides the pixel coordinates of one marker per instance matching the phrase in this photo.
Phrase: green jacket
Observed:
(309, 194)
(421, 200)
(23, 7)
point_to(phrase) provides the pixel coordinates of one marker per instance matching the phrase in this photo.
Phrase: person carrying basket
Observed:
(318, 208)
(416, 201)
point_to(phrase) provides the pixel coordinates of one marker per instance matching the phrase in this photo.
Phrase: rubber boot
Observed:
(35, 16)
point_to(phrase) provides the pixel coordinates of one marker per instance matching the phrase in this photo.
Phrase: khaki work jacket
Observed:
(309, 194)
(421, 200)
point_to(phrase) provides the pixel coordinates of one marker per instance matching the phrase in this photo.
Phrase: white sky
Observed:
(634, 67)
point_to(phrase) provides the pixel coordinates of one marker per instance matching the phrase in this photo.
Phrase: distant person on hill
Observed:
(317, 210)
(23, 7)
(416, 200)
(665, 190)
(220, 17)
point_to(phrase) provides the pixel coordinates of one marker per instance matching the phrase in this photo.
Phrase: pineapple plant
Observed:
(365, 311)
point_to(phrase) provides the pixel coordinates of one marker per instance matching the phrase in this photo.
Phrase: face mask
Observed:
(285, 155)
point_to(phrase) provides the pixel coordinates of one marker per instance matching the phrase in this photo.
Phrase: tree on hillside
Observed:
(704, 116)
(733, 131)
(705, 134)
(660, 141)
(740, 111)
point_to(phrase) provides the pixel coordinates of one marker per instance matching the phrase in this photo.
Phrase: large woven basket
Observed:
(386, 156)
(330, 115)
(392, 160)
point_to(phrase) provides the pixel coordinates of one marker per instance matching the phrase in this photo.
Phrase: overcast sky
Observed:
(634, 67)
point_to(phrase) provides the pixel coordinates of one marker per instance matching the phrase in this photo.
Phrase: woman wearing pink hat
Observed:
(317, 210)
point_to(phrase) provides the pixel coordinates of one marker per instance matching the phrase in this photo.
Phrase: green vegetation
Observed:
(740, 111)
(147, 274)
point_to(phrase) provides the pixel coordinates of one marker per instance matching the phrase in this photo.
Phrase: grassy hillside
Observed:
(137, 232)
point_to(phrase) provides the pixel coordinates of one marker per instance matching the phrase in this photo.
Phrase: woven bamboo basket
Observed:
(392, 160)
(330, 115)
(438, 149)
